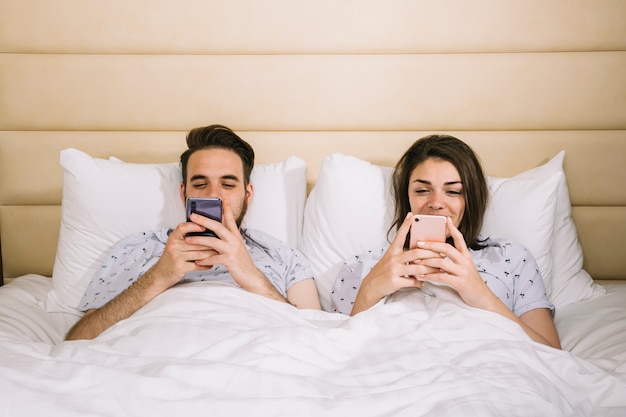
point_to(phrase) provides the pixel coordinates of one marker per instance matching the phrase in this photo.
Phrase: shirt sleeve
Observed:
(529, 289)
(349, 279)
(282, 264)
(299, 268)
(123, 265)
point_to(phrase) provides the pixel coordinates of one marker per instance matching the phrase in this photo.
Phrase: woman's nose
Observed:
(435, 202)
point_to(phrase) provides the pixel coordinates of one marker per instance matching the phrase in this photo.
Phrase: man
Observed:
(217, 163)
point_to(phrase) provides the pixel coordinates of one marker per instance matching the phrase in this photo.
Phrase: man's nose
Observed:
(212, 191)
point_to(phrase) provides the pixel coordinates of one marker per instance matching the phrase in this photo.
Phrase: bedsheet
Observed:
(23, 317)
(211, 349)
(595, 329)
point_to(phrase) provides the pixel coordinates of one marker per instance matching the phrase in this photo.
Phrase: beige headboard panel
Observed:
(519, 81)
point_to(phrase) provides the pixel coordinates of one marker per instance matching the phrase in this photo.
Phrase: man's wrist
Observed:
(261, 285)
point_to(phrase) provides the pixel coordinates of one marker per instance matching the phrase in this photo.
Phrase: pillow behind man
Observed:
(107, 200)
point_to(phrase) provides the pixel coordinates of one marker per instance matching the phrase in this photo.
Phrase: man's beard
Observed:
(244, 209)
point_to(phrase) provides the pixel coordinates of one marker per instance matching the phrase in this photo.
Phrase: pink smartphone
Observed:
(427, 228)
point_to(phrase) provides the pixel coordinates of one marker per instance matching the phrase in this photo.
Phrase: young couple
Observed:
(438, 174)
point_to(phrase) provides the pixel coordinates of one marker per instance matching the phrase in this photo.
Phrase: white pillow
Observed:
(350, 210)
(568, 281)
(107, 200)
(523, 210)
(277, 206)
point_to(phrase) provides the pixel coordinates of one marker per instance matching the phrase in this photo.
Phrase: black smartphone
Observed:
(207, 207)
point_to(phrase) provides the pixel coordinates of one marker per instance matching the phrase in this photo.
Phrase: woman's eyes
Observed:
(424, 191)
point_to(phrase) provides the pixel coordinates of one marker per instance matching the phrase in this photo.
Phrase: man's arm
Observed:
(303, 294)
(175, 261)
(96, 321)
(230, 250)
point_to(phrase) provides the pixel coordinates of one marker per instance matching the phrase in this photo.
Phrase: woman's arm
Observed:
(540, 327)
(459, 272)
(537, 323)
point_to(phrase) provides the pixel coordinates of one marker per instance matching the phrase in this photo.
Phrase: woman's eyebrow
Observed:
(445, 183)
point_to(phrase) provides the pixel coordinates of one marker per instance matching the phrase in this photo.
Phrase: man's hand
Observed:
(229, 250)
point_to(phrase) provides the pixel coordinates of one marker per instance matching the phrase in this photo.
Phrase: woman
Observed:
(441, 175)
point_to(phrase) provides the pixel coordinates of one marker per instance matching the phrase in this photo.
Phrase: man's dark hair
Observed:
(218, 136)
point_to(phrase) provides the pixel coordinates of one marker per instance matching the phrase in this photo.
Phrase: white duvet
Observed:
(214, 350)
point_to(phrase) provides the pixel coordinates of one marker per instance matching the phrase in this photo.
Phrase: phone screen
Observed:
(207, 207)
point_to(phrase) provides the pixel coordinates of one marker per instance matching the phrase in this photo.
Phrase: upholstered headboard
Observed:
(518, 81)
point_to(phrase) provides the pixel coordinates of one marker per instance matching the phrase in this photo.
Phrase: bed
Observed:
(94, 107)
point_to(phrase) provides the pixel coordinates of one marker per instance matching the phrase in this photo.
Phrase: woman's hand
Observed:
(398, 268)
(456, 269)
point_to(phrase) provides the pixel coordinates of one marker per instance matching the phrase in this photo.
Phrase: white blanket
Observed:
(208, 349)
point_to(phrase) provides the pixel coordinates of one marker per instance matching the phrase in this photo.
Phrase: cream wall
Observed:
(518, 80)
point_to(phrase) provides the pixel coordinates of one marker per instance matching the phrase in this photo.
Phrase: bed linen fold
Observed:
(205, 348)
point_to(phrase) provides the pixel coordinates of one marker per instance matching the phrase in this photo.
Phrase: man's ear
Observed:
(182, 192)
(249, 192)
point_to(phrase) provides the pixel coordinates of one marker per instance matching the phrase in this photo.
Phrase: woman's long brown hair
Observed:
(459, 154)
